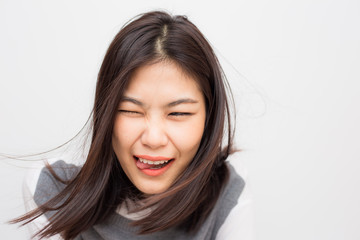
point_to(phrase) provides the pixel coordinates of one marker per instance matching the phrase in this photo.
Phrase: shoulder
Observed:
(50, 183)
(238, 223)
(40, 185)
(229, 196)
(234, 186)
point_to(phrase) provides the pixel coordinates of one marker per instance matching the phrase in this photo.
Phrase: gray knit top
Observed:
(117, 226)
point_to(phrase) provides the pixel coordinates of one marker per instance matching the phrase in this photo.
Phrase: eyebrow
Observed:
(171, 104)
(132, 100)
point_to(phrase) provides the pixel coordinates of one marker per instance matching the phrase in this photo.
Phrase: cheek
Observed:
(124, 133)
(187, 137)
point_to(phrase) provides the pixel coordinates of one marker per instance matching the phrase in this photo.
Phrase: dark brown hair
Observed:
(149, 38)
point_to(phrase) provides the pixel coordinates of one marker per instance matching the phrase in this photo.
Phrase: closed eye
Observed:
(129, 112)
(180, 114)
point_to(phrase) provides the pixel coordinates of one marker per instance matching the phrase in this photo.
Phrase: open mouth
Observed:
(142, 163)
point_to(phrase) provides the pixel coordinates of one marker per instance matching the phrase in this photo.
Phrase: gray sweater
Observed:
(117, 226)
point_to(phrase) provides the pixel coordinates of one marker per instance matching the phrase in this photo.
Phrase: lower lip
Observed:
(156, 172)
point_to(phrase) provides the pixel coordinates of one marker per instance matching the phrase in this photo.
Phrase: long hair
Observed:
(149, 38)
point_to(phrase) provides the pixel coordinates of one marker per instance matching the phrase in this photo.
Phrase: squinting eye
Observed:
(180, 114)
(129, 112)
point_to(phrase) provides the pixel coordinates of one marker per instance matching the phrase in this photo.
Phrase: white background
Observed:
(294, 69)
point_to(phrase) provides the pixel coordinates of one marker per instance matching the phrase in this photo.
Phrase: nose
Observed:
(154, 135)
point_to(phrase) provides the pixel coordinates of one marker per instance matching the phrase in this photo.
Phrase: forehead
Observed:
(164, 80)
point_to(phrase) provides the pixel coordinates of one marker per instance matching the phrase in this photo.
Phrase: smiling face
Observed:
(159, 126)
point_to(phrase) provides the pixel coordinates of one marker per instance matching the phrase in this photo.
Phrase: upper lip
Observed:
(153, 158)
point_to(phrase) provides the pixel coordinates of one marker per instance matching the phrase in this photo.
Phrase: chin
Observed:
(152, 190)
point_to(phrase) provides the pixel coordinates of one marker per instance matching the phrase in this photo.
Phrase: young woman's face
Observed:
(159, 125)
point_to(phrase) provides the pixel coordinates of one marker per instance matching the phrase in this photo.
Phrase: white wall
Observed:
(294, 68)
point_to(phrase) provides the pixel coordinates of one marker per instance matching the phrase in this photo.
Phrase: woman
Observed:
(156, 165)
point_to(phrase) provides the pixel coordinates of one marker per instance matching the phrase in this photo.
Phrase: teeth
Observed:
(152, 162)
